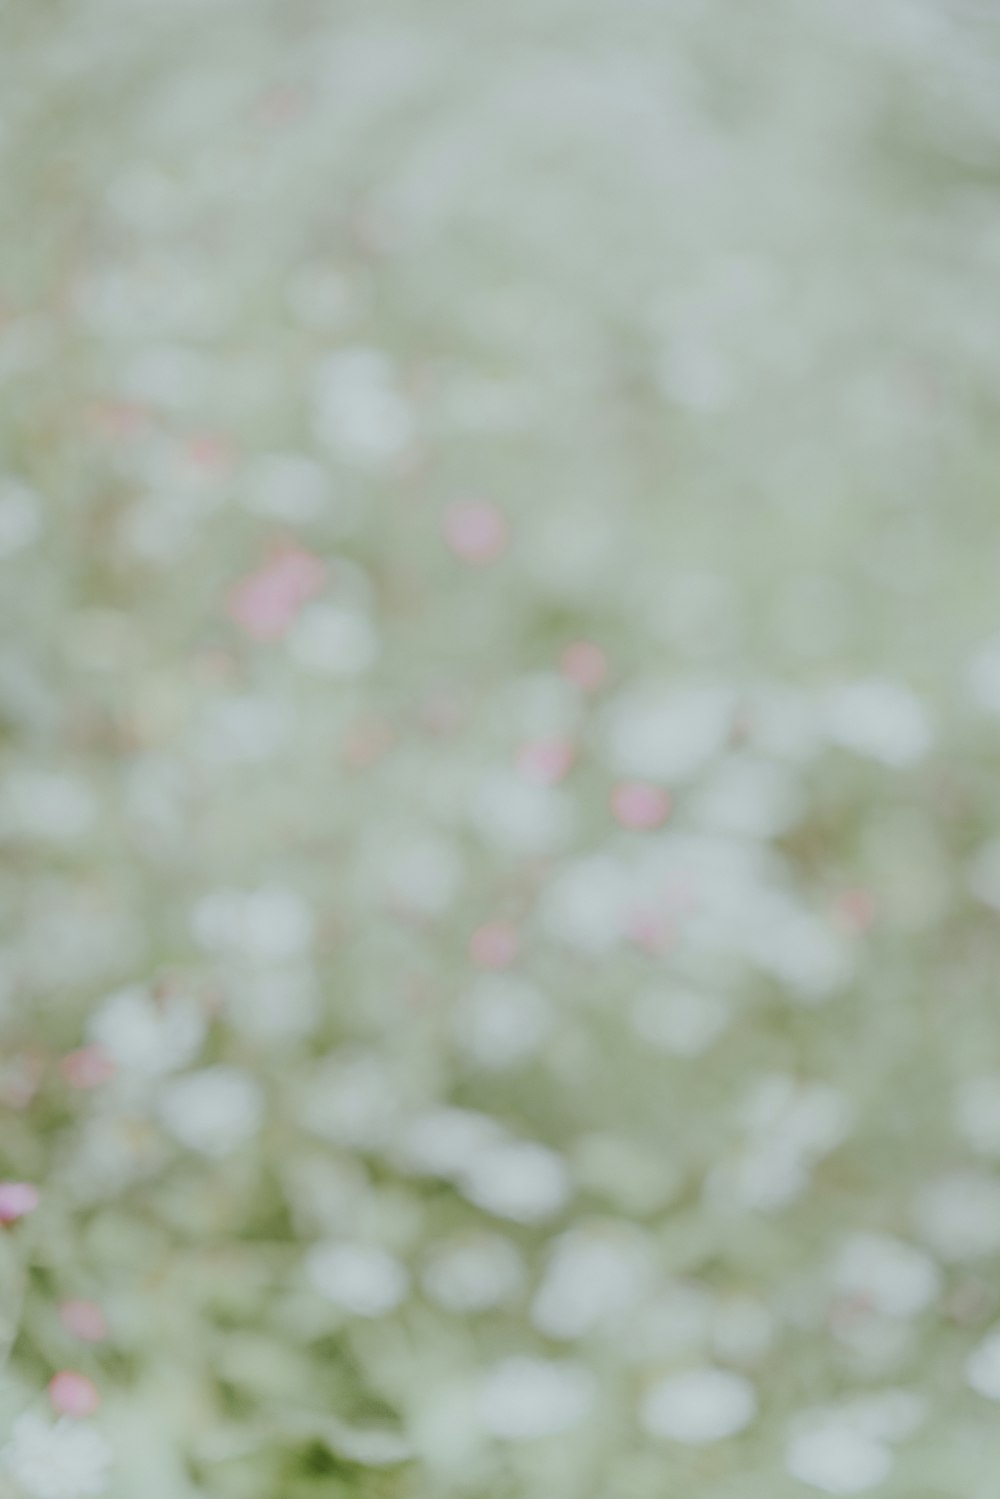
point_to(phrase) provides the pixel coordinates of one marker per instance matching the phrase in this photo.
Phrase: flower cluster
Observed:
(499, 722)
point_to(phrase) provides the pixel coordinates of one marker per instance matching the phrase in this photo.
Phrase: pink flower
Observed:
(85, 1320)
(267, 603)
(17, 1200)
(495, 945)
(73, 1394)
(476, 531)
(585, 664)
(88, 1068)
(639, 806)
(546, 761)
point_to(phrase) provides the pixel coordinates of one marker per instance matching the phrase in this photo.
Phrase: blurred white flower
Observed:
(894, 1278)
(502, 1021)
(522, 1398)
(519, 1180)
(64, 1459)
(214, 1111)
(362, 1279)
(148, 1034)
(698, 1406)
(958, 1215)
(473, 1273)
(881, 719)
(359, 411)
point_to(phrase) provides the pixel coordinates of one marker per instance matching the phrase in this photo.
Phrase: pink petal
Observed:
(640, 806)
(547, 761)
(585, 664)
(476, 531)
(495, 945)
(88, 1068)
(17, 1200)
(73, 1394)
(85, 1320)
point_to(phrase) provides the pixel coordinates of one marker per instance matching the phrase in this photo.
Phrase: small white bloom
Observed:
(448, 1141)
(982, 1367)
(667, 735)
(679, 1021)
(699, 1406)
(519, 818)
(474, 1273)
(333, 640)
(65, 1459)
(424, 874)
(525, 1398)
(47, 805)
(894, 1278)
(287, 486)
(269, 924)
(362, 1279)
(360, 413)
(148, 1035)
(213, 1111)
(958, 1215)
(502, 1021)
(880, 719)
(593, 1280)
(20, 517)
(836, 1458)
(518, 1180)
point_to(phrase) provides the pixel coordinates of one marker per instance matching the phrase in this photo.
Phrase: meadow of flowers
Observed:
(499, 749)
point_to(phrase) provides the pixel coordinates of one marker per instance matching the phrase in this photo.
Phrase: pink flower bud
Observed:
(88, 1068)
(585, 664)
(639, 806)
(494, 945)
(73, 1394)
(85, 1320)
(17, 1199)
(476, 531)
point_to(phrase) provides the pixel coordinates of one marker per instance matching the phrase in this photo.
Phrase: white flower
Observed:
(894, 1278)
(958, 1215)
(334, 641)
(472, 1274)
(667, 735)
(20, 516)
(679, 1021)
(47, 805)
(214, 1111)
(146, 1035)
(362, 1279)
(982, 1367)
(525, 1398)
(65, 1459)
(699, 1406)
(593, 1279)
(518, 1180)
(360, 414)
(880, 719)
(836, 1458)
(502, 1021)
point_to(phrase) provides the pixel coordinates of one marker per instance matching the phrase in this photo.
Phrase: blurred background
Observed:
(499, 734)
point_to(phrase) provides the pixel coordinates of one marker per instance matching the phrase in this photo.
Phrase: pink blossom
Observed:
(17, 1200)
(585, 664)
(73, 1394)
(546, 761)
(495, 945)
(85, 1320)
(267, 603)
(88, 1068)
(476, 531)
(639, 806)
